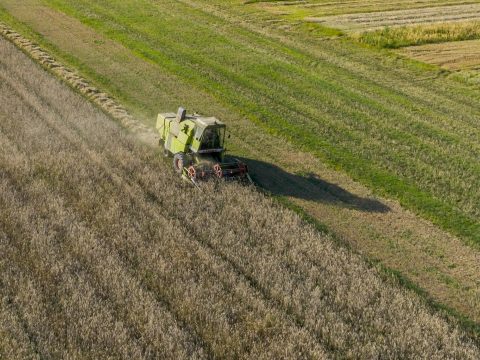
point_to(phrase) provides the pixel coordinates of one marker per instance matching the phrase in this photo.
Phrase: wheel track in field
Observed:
(25, 346)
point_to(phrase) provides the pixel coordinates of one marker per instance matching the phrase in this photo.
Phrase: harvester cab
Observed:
(197, 145)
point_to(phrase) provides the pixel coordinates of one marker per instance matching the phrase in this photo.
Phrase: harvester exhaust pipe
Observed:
(181, 114)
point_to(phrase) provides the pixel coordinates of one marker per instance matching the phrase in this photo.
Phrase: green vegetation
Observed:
(420, 34)
(404, 140)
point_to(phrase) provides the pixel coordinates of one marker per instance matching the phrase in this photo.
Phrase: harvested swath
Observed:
(329, 7)
(105, 251)
(396, 18)
(105, 102)
(455, 55)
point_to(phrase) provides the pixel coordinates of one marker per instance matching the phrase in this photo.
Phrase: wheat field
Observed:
(106, 254)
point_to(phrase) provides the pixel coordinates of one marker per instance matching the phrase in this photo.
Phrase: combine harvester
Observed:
(197, 146)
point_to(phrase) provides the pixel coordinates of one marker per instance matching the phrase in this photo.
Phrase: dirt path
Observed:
(381, 229)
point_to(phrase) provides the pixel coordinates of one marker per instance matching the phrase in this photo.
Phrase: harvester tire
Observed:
(179, 162)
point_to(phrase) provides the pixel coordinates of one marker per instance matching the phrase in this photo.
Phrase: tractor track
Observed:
(22, 340)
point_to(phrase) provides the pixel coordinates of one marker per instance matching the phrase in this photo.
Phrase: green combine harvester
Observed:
(197, 146)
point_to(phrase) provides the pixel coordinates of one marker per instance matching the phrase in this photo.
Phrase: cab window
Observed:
(212, 138)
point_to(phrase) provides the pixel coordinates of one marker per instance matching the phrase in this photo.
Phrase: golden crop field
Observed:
(455, 55)
(105, 253)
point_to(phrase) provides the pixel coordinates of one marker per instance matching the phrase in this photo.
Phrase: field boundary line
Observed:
(101, 99)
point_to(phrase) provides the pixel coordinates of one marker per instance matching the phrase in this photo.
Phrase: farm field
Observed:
(414, 35)
(370, 116)
(105, 252)
(300, 9)
(396, 25)
(455, 55)
(370, 21)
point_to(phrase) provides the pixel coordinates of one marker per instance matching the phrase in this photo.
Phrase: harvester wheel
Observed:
(179, 162)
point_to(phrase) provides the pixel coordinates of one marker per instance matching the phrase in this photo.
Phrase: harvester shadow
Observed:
(308, 187)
